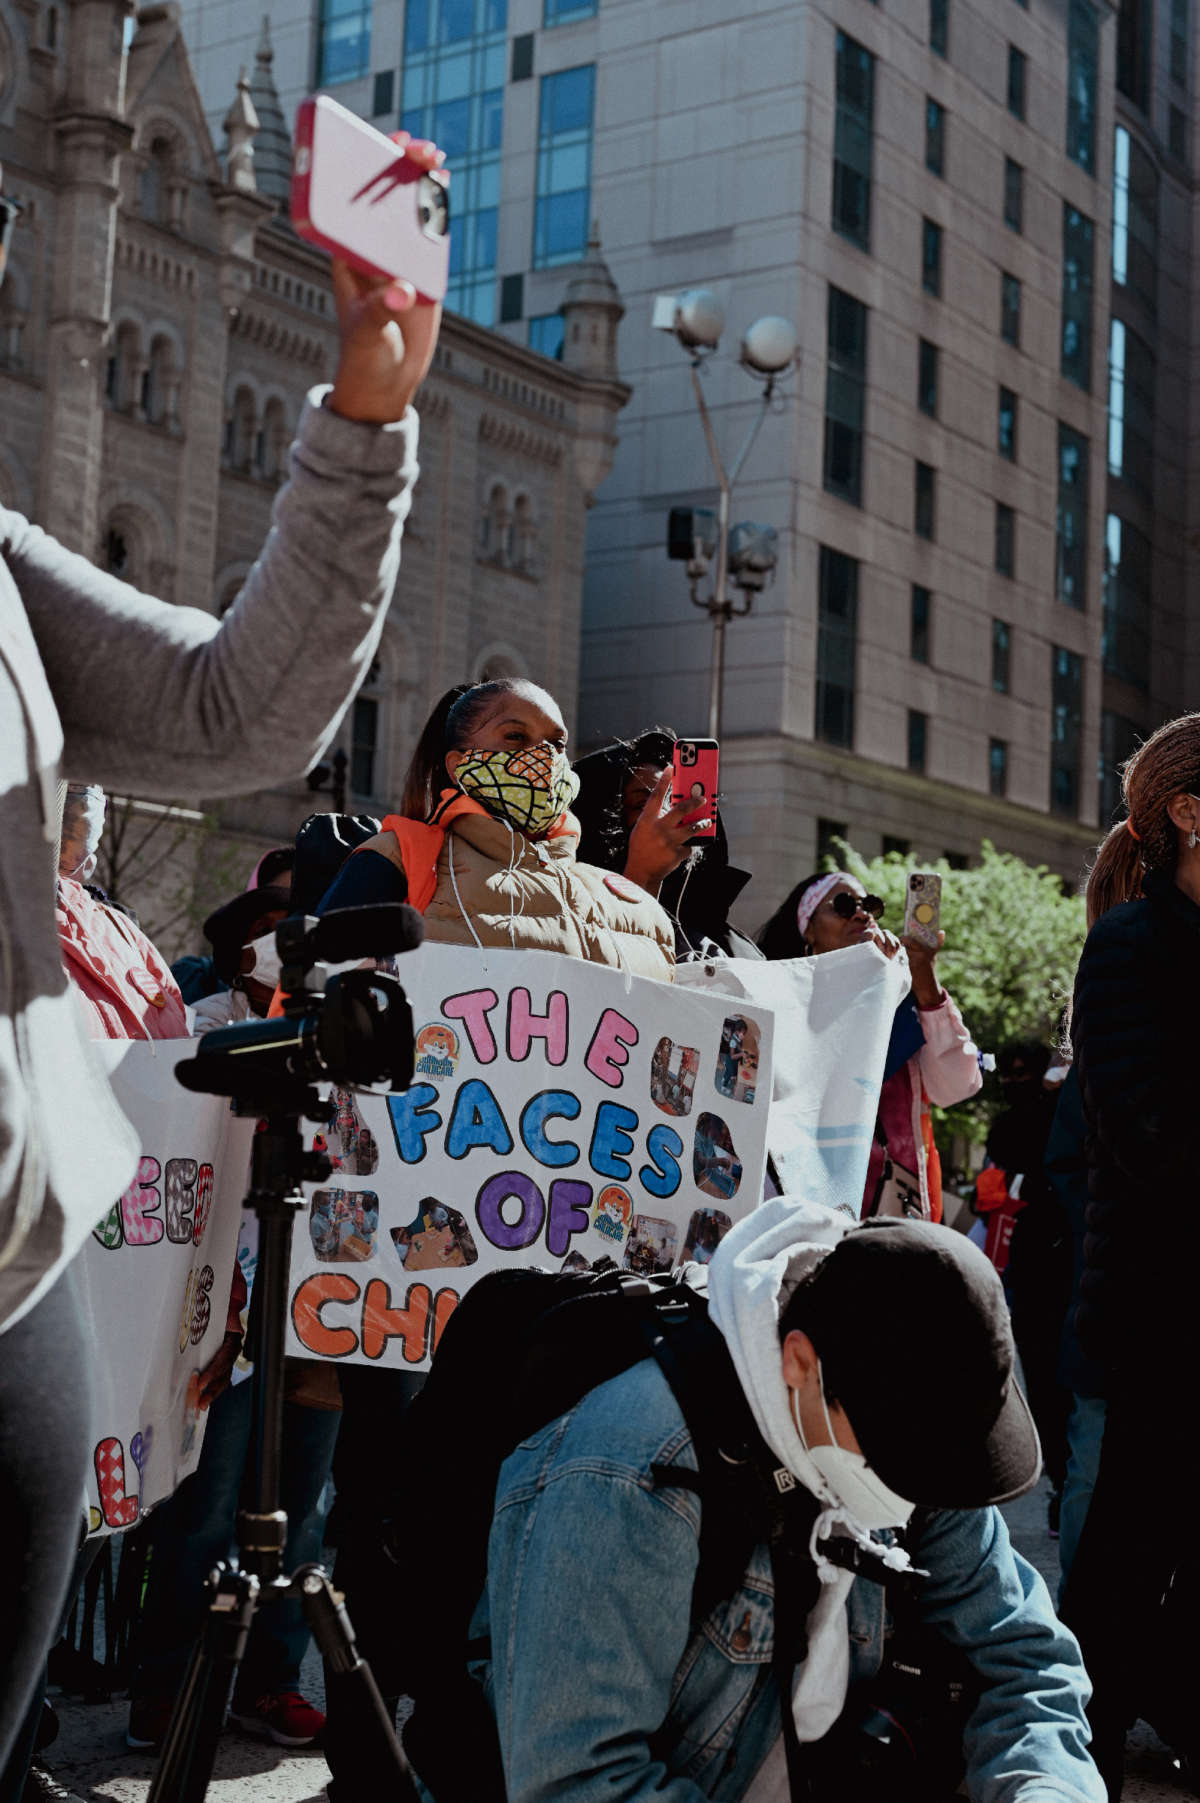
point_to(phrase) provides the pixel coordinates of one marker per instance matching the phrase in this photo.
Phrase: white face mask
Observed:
(266, 967)
(851, 1483)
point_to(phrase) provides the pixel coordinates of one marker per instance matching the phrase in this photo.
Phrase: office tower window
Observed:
(1177, 133)
(918, 733)
(1076, 361)
(512, 299)
(924, 482)
(1083, 55)
(931, 257)
(1119, 739)
(1006, 424)
(1016, 82)
(565, 12)
(1135, 220)
(521, 65)
(1006, 540)
(383, 96)
(1014, 195)
(564, 167)
(1070, 551)
(927, 377)
(845, 395)
(831, 836)
(997, 766)
(939, 26)
(1179, 42)
(837, 646)
(935, 137)
(1001, 649)
(1131, 376)
(1135, 23)
(1125, 634)
(546, 334)
(852, 141)
(894, 847)
(918, 637)
(343, 41)
(1010, 309)
(455, 53)
(1066, 707)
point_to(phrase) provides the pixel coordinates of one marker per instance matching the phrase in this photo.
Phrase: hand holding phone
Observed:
(695, 765)
(923, 909)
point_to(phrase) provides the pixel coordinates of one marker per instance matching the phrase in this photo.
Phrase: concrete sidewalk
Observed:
(91, 1759)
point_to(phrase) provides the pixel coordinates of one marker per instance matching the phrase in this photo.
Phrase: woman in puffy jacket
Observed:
(1134, 1032)
(484, 847)
(931, 1058)
(486, 842)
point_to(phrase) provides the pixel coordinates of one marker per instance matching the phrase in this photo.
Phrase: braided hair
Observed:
(1167, 764)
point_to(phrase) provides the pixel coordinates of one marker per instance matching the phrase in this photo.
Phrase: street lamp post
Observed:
(747, 552)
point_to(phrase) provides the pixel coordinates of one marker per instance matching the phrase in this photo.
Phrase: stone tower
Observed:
(91, 133)
(273, 144)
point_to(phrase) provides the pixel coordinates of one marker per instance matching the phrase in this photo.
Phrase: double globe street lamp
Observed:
(746, 553)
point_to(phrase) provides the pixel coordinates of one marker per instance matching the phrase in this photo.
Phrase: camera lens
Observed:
(433, 208)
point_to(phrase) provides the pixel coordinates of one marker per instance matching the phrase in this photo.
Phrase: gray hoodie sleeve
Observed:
(168, 702)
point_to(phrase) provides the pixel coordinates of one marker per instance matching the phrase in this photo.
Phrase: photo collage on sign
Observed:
(438, 1239)
(343, 1224)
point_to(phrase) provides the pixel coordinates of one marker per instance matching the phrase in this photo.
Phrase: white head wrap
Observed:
(815, 894)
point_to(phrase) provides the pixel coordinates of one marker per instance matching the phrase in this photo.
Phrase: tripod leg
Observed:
(190, 1747)
(385, 1774)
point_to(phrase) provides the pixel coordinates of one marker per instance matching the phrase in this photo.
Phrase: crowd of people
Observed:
(732, 1564)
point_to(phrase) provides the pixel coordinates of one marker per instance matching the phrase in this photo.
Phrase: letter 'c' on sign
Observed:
(307, 1305)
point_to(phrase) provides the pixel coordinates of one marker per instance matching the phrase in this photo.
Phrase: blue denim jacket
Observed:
(602, 1693)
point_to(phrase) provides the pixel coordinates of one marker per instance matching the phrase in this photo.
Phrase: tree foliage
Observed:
(1013, 939)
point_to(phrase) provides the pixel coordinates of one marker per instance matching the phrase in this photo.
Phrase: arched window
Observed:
(240, 431)
(495, 536)
(162, 183)
(367, 748)
(123, 374)
(524, 536)
(271, 445)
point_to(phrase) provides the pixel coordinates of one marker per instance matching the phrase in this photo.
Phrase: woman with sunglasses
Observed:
(931, 1059)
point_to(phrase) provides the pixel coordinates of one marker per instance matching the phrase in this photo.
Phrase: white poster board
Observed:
(833, 1021)
(561, 1113)
(154, 1279)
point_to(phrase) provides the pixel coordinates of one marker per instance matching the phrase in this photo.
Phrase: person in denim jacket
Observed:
(600, 1686)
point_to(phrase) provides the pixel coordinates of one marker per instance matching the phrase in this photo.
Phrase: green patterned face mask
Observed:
(528, 788)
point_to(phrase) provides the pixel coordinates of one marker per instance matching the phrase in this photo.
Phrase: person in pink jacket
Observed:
(932, 1059)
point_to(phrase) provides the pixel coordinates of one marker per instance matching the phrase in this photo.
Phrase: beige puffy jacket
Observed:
(495, 887)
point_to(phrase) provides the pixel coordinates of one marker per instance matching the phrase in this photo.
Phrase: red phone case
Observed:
(697, 773)
(339, 163)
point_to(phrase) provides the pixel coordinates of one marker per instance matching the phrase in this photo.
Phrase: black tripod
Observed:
(279, 1164)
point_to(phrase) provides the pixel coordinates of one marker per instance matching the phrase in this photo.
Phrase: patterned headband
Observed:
(815, 894)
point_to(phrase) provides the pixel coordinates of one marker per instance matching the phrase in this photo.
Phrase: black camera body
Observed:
(900, 1737)
(354, 1028)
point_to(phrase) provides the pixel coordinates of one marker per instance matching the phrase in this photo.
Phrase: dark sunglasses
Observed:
(846, 906)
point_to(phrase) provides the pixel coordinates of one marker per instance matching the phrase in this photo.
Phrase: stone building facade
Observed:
(160, 325)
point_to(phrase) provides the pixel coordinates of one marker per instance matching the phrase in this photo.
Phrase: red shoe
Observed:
(285, 1716)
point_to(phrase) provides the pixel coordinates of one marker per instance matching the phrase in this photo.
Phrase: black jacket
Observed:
(1136, 1030)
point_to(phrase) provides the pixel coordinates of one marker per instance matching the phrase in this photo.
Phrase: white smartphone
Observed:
(356, 194)
(923, 908)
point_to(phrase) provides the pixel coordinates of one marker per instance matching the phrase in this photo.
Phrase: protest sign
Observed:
(833, 1021)
(154, 1280)
(561, 1113)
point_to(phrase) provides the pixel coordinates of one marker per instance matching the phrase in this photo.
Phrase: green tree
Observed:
(1013, 939)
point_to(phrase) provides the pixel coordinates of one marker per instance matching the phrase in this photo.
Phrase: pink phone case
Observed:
(356, 194)
(695, 764)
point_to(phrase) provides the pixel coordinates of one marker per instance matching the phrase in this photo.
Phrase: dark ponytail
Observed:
(449, 728)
